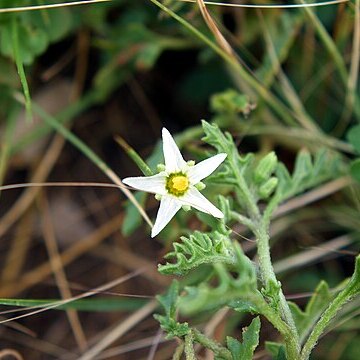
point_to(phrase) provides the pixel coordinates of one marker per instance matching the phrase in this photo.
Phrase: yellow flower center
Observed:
(177, 184)
(180, 183)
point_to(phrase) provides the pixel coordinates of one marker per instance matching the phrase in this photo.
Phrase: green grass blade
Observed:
(20, 68)
(101, 304)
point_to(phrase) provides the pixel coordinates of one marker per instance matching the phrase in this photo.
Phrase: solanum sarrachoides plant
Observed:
(251, 190)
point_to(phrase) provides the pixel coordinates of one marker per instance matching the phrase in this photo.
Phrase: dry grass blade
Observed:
(215, 30)
(69, 255)
(313, 195)
(41, 173)
(310, 256)
(20, 244)
(51, 6)
(10, 353)
(89, 293)
(120, 330)
(58, 269)
(135, 345)
(269, 6)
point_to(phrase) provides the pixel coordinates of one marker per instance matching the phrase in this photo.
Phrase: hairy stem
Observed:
(268, 275)
(216, 348)
(291, 343)
(352, 289)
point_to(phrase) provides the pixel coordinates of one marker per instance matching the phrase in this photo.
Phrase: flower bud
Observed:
(268, 187)
(200, 186)
(265, 168)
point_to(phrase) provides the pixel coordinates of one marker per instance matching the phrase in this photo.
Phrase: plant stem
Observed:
(268, 274)
(351, 289)
(291, 343)
(219, 351)
(189, 347)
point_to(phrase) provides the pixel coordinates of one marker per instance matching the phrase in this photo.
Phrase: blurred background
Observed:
(123, 70)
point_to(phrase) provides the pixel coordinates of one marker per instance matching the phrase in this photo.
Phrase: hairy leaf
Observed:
(234, 283)
(197, 249)
(306, 319)
(245, 350)
(168, 322)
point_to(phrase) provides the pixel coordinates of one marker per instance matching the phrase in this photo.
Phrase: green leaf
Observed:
(271, 293)
(276, 350)
(197, 249)
(169, 299)
(355, 169)
(305, 320)
(354, 137)
(232, 284)
(168, 322)
(230, 102)
(307, 173)
(283, 34)
(245, 350)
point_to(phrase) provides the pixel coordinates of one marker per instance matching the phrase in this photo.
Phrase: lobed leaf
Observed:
(197, 249)
(245, 350)
(305, 320)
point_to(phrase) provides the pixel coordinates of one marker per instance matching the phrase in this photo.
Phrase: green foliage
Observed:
(168, 322)
(36, 31)
(271, 293)
(234, 284)
(245, 350)
(230, 102)
(354, 137)
(197, 249)
(307, 173)
(306, 319)
(355, 169)
(276, 350)
(283, 34)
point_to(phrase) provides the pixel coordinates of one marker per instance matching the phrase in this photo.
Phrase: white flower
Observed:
(176, 185)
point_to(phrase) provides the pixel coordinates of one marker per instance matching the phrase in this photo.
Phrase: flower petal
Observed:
(194, 198)
(153, 184)
(168, 208)
(173, 158)
(205, 168)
